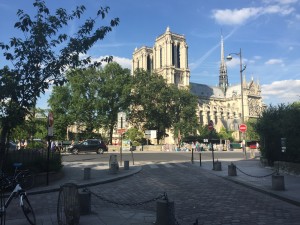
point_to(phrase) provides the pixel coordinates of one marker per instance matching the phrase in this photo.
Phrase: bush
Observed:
(276, 123)
(34, 160)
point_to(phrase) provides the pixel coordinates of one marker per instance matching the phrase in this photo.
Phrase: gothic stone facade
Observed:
(222, 104)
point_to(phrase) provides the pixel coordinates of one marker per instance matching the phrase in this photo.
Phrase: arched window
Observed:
(148, 63)
(201, 117)
(160, 57)
(178, 55)
(173, 54)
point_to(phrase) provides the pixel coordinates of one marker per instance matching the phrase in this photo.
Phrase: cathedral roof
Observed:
(205, 91)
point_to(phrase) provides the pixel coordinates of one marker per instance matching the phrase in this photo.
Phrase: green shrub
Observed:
(34, 160)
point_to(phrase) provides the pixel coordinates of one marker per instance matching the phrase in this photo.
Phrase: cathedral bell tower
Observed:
(168, 57)
(223, 78)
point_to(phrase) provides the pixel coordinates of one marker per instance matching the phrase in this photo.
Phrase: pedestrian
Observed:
(53, 146)
(25, 144)
(197, 146)
(193, 146)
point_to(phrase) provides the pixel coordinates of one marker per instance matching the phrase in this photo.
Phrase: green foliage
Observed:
(136, 136)
(251, 132)
(59, 102)
(158, 106)
(42, 56)
(91, 99)
(35, 126)
(225, 135)
(36, 161)
(279, 122)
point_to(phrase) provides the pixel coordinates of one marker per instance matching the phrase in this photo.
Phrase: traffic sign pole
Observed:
(211, 128)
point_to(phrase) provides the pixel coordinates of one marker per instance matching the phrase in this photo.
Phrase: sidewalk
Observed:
(249, 174)
(74, 173)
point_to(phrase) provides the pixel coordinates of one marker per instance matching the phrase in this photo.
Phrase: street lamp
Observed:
(229, 57)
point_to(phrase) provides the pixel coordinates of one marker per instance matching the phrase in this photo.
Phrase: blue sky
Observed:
(267, 31)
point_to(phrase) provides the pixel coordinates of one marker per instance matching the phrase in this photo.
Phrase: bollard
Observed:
(114, 168)
(217, 166)
(87, 173)
(126, 165)
(165, 213)
(113, 164)
(278, 183)
(231, 170)
(68, 205)
(84, 201)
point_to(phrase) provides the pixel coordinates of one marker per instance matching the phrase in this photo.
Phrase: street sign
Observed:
(122, 120)
(50, 124)
(243, 127)
(211, 125)
(121, 131)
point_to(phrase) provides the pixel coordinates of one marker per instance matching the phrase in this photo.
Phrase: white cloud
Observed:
(284, 91)
(235, 16)
(241, 16)
(274, 9)
(274, 61)
(124, 62)
(286, 2)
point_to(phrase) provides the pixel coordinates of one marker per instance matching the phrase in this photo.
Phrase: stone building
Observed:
(222, 104)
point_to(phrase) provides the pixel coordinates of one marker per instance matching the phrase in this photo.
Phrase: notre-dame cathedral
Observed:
(222, 104)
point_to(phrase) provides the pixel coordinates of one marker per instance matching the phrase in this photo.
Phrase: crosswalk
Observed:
(157, 165)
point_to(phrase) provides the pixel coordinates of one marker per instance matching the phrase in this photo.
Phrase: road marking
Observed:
(168, 165)
(153, 166)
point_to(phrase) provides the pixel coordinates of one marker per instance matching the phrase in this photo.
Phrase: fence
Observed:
(35, 160)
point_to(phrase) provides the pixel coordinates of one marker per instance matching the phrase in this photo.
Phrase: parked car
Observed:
(89, 145)
(12, 146)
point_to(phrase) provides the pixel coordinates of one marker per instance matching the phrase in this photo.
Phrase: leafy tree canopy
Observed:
(42, 56)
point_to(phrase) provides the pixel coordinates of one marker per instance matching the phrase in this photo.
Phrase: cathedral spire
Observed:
(223, 79)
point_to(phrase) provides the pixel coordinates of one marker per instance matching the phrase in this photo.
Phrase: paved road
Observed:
(199, 195)
(155, 156)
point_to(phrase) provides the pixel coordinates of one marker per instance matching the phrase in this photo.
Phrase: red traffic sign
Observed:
(50, 119)
(211, 125)
(121, 130)
(243, 127)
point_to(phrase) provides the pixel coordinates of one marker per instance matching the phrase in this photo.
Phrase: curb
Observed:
(103, 181)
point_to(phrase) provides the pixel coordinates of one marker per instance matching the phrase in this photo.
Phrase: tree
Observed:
(251, 132)
(276, 122)
(113, 95)
(92, 99)
(184, 119)
(84, 85)
(151, 103)
(135, 136)
(42, 57)
(60, 103)
(159, 106)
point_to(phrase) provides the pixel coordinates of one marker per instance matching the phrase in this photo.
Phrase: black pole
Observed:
(200, 159)
(192, 156)
(48, 156)
(121, 141)
(132, 157)
(212, 151)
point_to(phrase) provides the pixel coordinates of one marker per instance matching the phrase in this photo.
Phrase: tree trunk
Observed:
(111, 130)
(3, 141)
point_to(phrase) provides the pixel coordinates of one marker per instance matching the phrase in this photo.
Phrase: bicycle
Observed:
(24, 177)
(18, 191)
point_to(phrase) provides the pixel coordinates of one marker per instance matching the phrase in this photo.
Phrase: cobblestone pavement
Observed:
(199, 195)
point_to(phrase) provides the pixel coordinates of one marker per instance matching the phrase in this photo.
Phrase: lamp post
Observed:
(229, 57)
